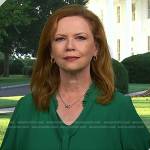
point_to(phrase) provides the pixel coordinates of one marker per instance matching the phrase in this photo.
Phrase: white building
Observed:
(127, 25)
(2, 1)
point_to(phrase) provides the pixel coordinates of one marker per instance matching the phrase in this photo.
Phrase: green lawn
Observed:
(4, 120)
(133, 87)
(14, 80)
(9, 101)
(142, 105)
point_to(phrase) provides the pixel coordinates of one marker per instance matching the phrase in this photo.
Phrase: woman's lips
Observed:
(71, 58)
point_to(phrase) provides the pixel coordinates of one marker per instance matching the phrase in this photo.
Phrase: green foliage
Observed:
(27, 70)
(138, 67)
(136, 87)
(1, 66)
(16, 67)
(1, 55)
(28, 61)
(121, 76)
(14, 17)
(28, 66)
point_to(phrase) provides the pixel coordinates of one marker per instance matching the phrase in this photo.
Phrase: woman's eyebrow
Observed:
(76, 34)
(59, 34)
(81, 33)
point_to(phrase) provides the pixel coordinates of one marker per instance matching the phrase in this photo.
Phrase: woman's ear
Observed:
(96, 49)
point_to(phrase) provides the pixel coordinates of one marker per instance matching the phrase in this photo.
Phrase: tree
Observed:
(13, 14)
(22, 22)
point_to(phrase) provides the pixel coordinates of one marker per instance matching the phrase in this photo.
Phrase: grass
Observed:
(14, 80)
(133, 87)
(4, 120)
(142, 105)
(9, 101)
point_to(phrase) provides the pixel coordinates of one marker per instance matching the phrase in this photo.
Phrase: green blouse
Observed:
(115, 126)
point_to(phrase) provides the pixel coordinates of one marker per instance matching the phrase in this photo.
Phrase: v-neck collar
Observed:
(65, 132)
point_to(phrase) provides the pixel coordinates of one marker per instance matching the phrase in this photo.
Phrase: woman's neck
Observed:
(74, 83)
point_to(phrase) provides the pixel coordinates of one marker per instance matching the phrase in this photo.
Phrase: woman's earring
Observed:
(94, 58)
(52, 60)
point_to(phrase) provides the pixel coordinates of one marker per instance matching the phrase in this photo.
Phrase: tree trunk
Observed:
(6, 64)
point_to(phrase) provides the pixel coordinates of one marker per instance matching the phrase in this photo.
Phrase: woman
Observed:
(73, 104)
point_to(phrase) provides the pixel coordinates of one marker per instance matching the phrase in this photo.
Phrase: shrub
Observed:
(28, 61)
(16, 67)
(138, 67)
(28, 66)
(1, 66)
(1, 55)
(27, 71)
(121, 76)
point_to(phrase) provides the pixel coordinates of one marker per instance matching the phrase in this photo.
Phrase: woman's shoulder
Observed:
(123, 103)
(121, 99)
(25, 103)
(26, 100)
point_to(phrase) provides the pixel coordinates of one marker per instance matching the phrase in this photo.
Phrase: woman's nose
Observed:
(70, 45)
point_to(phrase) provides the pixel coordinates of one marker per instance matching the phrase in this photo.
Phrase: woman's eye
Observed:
(81, 37)
(59, 39)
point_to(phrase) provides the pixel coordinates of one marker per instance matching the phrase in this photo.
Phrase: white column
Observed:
(126, 49)
(139, 33)
(2, 1)
(109, 26)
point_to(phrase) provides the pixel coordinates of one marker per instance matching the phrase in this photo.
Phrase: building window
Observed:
(132, 45)
(133, 11)
(118, 14)
(148, 8)
(118, 48)
(148, 43)
(132, 39)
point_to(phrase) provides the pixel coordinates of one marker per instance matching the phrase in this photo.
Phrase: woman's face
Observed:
(73, 45)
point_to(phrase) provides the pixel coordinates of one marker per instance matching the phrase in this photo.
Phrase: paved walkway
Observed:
(7, 110)
(15, 90)
(136, 93)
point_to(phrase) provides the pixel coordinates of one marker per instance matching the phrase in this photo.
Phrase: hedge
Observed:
(121, 76)
(16, 67)
(138, 67)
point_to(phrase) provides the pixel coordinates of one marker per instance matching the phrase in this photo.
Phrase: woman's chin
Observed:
(72, 70)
